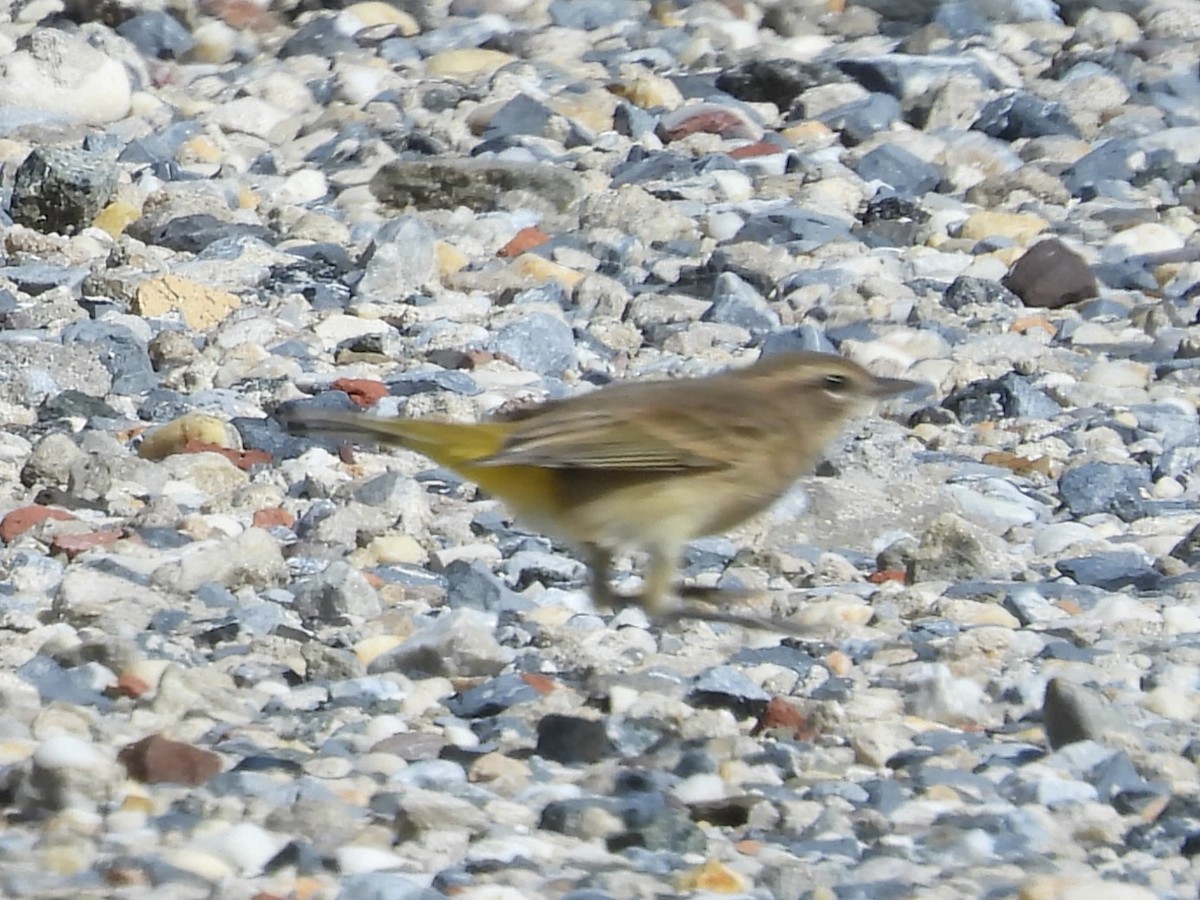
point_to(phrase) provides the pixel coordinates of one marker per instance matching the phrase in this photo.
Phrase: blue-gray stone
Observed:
(1011, 396)
(789, 657)
(471, 583)
(906, 174)
(119, 350)
(537, 343)
(260, 619)
(193, 233)
(397, 50)
(1103, 309)
(157, 34)
(1021, 114)
(735, 302)
(493, 696)
(860, 119)
(37, 278)
(806, 337)
(318, 37)
(366, 691)
(707, 555)
(782, 226)
(885, 795)
(728, 683)
(903, 75)
(421, 381)
(384, 886)
(823, 849)
(1104, 487)
(588, 15)
(521, 115)
(846, 790)
(636, 123)
(77, 686)
(461, 34)
(961, 18)
(432, 774)
(1108, 162)
(1112, 571)
(1171, 425)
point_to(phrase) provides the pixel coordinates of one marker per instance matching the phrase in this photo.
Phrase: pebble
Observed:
(239, 662)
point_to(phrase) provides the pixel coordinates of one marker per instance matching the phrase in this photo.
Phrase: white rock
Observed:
(57, 72)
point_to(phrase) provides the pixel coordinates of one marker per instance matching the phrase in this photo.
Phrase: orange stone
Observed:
(74, 544)
(540, 683)
(758, 148)
(363, 392)
(271, 516)
(129, 685)
(525, 239)
(19, 521)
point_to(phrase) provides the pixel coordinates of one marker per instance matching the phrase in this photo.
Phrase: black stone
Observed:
(571, 740)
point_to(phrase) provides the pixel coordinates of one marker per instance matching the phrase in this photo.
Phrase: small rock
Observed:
(1051, 275)
(156, 759)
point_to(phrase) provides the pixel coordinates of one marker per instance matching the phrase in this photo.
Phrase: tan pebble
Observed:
(368, 649)
(116, 217)
(175, 436)
(450, 259)
(199, 149)
(466, 64)
(808, 132)
(648, 91)
(716, 877)
(1059, 887)
(397, 549)
(201, 306)
(839, 663)
(1020, 227)
(537, 268)
(372, 12)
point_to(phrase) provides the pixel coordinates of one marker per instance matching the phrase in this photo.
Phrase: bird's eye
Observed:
(835, 382)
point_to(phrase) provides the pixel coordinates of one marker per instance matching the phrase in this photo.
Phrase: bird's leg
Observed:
(658, 585)
(599, 561)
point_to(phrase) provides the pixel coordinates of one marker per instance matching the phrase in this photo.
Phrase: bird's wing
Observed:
(570, 436)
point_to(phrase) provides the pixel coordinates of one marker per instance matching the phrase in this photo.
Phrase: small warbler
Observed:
(644, 465)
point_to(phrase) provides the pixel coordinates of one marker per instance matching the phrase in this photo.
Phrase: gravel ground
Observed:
(239, 664)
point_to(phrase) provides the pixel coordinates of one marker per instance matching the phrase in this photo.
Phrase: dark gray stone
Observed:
(477, 184)
(61, 189)
(1021, 114)
(1112, 571)
(1051, 275)
(966, 290)
(1104, 487)
(777, 81)
(572, 740)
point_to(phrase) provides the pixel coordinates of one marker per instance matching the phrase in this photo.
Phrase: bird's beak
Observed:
(890, 387)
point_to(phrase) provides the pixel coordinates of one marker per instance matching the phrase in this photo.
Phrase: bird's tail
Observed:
(450, 444)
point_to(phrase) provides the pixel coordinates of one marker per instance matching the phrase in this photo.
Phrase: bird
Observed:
(641, 465)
